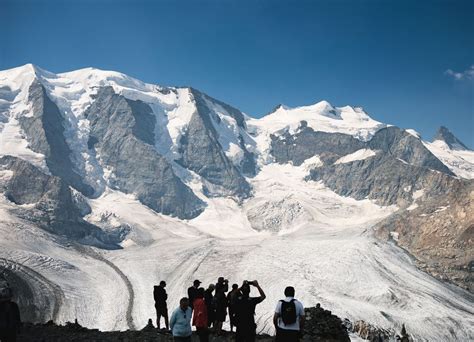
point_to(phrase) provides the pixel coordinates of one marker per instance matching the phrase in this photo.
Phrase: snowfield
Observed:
(326, 250)
(461, 162)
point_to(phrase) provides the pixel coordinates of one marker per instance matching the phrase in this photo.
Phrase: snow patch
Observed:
(414, 133)
(418, 194)
(460, 162)
(394, 235)
(413, 206)
(13, 143)
(361, 154)
(228, 132)
(312, 163)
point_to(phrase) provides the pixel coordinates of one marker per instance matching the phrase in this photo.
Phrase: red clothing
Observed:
(200, 313)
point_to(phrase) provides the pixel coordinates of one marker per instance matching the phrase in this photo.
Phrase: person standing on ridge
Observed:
(222, 287)
(231, 299)
(160, 296)
(192, 292)
(200, 320)
(289, 317)
(181, 322)
(245, 312)
(209, 300)
(10, 321)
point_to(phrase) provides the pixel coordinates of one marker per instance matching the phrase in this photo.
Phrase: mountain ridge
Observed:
(100, 171)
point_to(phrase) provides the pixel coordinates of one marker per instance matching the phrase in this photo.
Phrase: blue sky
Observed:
(391, 57)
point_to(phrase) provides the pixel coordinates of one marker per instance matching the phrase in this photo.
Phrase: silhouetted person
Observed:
(160, 295)
(231, 299)
(222, 284)
(10, 321)
(181, 321)
(288, 318)
(209, 299)
(192, 292)
(200, 320)
(220, 299)
(245, 312)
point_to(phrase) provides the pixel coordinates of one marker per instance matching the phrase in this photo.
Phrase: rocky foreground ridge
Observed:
(321, 325)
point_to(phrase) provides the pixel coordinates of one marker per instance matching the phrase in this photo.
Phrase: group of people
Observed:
(207, 310)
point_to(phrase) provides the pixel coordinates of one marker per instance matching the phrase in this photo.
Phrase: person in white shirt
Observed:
(289, 317)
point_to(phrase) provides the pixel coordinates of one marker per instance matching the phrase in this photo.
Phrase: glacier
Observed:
(290, 230)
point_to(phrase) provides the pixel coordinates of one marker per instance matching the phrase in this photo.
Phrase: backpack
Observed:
(288, 312)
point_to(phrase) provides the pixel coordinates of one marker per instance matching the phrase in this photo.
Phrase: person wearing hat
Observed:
(192, 292)
(10, 321)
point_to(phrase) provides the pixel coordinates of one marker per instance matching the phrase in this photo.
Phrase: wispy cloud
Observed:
(467, 74)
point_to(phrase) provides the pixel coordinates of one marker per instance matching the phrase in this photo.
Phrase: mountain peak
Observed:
(444, 134)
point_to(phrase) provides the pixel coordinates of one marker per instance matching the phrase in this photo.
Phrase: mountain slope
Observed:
(453, 153)
(109, 185)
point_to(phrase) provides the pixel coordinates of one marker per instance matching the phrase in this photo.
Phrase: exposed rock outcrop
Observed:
(48, 201)
(322, 325)
(439, 232)
(122, 133)
(202, 153)
(450, 139)
(400, 166)
(44, 128)
(307, 143)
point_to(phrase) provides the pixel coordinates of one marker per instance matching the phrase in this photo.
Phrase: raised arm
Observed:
(262, 294)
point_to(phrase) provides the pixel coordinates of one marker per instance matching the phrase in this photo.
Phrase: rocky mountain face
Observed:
(44, 128)
(51, 203)
(439, 231)
(67, 138)
(122, 132)
(399, 166)
(448, 137)
(202, 153)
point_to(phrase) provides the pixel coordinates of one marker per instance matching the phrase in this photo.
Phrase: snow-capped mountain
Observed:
(453, 153)
(110, 184)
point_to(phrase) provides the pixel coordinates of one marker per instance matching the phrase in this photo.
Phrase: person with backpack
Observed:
(231, 299)
(200, 319)
(245, 312)
(160, 296)
(181, 322)
(192, 292)
(289, 317)
(10, 321)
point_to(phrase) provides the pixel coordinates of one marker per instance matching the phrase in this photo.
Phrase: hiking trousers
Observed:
(182, 339)
(284, 335)
(245, 335)
(203, 334)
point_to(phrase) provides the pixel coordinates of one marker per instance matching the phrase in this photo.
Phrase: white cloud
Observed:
(467, 74)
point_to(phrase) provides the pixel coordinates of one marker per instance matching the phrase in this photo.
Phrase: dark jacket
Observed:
(160, 295)
(192, 295)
